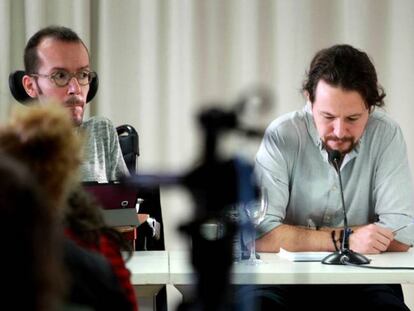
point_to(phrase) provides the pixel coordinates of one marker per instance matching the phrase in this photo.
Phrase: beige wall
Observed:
(161, 61)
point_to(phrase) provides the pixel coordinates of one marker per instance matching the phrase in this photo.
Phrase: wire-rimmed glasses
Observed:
(62, 77)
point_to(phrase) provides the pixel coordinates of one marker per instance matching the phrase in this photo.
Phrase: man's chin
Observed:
(76, 115)
(77, 120)
(342, 147)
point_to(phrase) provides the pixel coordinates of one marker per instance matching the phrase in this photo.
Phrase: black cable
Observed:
(377, 267)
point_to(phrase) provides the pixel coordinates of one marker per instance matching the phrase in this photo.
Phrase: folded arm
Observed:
(368, 239)
(295, 239)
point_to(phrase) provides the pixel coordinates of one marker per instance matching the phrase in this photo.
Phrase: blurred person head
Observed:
(43, 138)
(57, 67)
(30, 265)
(342, 88)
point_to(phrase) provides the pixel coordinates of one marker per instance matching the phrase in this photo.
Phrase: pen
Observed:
(400, 228)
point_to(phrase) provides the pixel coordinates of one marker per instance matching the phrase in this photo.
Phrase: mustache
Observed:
(344, 139)
(74, 100)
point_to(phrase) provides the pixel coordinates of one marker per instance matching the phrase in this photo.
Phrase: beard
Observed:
(75, 105)
(346, 141)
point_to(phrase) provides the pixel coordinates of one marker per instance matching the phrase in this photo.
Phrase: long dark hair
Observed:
(346, 67)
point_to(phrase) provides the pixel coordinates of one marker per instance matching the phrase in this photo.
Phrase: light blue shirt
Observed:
(303, 187)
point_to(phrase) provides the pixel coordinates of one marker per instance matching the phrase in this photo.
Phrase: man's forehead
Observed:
(336, 100)
(54, 53)
(346, 112)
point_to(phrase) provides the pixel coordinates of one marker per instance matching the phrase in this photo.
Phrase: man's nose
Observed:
(339, 128)
(74, 86)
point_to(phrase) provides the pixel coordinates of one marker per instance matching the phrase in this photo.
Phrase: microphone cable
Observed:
(345, 262)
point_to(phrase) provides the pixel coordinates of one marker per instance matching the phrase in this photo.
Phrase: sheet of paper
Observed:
(303, 256)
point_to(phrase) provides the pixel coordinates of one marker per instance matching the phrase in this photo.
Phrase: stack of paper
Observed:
(303, 256)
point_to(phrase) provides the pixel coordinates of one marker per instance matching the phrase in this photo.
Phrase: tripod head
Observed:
(215, 184)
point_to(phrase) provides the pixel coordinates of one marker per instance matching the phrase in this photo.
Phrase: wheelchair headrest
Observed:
(19, 93)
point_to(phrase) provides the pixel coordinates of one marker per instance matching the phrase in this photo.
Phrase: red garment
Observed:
(110, 250)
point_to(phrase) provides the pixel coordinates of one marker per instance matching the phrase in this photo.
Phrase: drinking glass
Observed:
(256, 212)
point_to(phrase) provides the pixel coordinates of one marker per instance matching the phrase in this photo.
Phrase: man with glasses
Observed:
(57, 67)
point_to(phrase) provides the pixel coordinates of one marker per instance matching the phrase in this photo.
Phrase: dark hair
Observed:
(84, 217)
(346, 67)
(60, 33)
(29, 235)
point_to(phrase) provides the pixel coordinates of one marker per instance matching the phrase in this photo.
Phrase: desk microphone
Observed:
(344, 255)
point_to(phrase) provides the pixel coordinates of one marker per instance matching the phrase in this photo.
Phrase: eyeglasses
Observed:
(62, 77)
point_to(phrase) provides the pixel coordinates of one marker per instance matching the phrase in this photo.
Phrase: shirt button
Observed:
(334, 188)
(327, 218)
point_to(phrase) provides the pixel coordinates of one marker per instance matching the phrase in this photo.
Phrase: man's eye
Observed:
(329, 117)
(61, 75)
(352, 119)
(83, 75)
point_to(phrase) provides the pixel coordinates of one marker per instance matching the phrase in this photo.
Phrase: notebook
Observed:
(118, 202)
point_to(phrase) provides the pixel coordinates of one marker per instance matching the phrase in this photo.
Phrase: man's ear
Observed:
(30, 86)
(306, 94)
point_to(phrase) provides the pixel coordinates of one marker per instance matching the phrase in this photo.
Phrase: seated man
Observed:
(305, 211)
(57, 66)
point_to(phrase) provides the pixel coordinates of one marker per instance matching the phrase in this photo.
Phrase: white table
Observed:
(278, 270)
(152, 269)
(149, 268)
(149, 273)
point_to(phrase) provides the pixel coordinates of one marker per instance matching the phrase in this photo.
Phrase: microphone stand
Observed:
(215, 185)
(345, 254)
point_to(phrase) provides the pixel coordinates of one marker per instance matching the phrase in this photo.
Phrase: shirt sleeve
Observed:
(393, 189)
(103, 161)
(272, 172)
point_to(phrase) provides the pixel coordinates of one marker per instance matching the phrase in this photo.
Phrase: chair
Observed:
(129, 142)
(151, 204)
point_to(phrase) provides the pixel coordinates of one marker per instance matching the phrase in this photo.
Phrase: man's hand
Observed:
(155, 226)
(371, 239)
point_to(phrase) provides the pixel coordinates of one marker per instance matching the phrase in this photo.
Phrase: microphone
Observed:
(345, 255)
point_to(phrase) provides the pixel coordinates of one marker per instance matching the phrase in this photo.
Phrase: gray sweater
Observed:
(103, 156)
